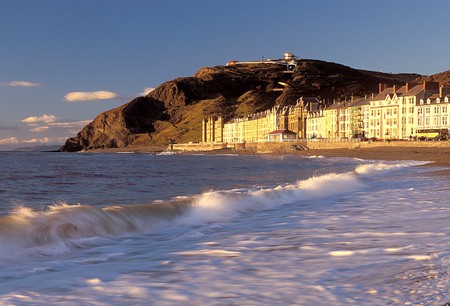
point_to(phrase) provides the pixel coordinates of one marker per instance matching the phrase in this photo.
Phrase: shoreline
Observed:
(438, 156)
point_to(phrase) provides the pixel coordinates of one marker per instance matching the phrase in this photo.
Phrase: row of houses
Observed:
(395, 113)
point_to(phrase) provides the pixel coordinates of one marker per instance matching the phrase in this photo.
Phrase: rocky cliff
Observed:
(174, 110)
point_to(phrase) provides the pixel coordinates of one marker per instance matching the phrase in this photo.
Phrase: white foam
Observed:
(376, 168)
(341, 253)
(420, 257)
(218, 206)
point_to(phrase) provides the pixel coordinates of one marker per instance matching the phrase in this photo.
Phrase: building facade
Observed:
(403, 113)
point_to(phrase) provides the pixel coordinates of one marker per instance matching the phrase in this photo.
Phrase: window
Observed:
(444, 120)
(427, 121)
(444, 109)
(427, 110)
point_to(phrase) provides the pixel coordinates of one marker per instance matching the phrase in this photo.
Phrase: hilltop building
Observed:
(289, 60)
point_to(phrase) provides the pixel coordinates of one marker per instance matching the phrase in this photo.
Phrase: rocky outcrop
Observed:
(129, 124)
(174, 110)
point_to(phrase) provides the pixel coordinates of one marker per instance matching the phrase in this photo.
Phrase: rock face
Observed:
(174, 110)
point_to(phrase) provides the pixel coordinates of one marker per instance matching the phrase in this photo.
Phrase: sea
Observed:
(149, 229)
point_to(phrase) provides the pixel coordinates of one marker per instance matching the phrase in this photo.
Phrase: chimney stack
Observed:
(381, 87)
(406, 87)
(427, 85)
(393, 89)
(440, 90)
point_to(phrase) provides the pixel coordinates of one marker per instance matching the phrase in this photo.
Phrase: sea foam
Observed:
(61, 227)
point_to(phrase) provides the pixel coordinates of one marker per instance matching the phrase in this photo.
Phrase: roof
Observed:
(281, 132)
(359, 102)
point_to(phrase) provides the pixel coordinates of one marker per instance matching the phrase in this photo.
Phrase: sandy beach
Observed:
(438, 156)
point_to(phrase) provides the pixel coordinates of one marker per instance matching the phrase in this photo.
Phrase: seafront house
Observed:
(315, 125)
(433, 115)
(394, 112)
(405, 113)
(331, 120)
(358, 112)
(291, 119)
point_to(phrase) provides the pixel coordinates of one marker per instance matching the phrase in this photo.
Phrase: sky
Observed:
(62, 62)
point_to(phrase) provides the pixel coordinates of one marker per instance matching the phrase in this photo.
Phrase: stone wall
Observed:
(371, 144)
(286, 147)
(198, 146)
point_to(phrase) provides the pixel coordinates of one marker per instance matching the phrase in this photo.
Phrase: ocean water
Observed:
(142, 229)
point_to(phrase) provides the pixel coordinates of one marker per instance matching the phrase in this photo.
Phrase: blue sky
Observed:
(62, 62)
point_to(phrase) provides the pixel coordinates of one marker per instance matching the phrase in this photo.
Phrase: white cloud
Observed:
(71, 127)
(39, 129)
(43, 140)
(44, 119)
(20, 84)
(89, 96)
(146, 91)
(72, 124)
(9, 140)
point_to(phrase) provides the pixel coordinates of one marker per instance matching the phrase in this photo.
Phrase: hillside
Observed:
(442, 78)
(174, 111)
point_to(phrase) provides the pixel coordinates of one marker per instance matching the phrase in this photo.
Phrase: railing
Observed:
(331, 140)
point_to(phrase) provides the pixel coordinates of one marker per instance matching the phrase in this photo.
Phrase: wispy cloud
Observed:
(39, 119)
(15, 140)
(39, 129)
(71, 127)
(146, 91)
(76, 96)
(53, 124)
(10, 140)
(20, 84)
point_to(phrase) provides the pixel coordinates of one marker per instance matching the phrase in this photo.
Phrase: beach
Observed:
(233, 226)
(437, 155)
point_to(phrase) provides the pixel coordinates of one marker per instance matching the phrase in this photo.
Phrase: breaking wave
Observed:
(63, 227)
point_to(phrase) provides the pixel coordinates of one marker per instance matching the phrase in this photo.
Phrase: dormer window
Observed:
(428, 101)
(421, 101)
(438, 100)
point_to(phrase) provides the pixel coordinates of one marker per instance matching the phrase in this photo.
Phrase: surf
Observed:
(61, 227)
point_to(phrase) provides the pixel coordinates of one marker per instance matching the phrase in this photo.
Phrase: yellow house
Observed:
(315, 125)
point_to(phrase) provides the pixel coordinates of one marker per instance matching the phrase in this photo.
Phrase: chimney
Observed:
(393, 89)
(427, 85)
(380, 87)
(440, 91)
(406, 87)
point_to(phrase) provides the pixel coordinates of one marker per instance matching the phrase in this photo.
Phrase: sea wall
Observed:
(198, 146)
(286, 147)
(371, 144)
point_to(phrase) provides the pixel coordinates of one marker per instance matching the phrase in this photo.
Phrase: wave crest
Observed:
(60, 227)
